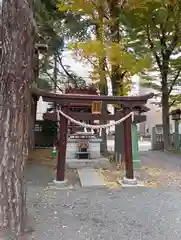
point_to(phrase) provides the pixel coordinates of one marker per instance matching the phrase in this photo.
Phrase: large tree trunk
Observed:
(32, 121)
(33, 101)
(166, 121)
(165, 104)
(16, 72)
(103, 82)
(117, 76)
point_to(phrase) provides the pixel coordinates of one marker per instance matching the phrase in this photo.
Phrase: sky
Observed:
(78, 67)
(83, 71)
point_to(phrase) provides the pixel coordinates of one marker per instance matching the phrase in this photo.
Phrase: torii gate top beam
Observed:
(66, 99)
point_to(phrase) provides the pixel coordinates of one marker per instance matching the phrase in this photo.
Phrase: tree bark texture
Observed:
(33, 102)
(166, 121)
(165, 104)
(32, 121)
(117, 75)
(103, 83)
(16, 77)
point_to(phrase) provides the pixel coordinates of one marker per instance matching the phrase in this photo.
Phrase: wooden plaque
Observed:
(96, 107)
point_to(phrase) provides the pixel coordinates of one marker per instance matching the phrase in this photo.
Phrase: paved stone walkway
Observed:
(90, 178)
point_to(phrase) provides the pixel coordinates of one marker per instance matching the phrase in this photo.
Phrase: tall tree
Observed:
(109, 59)
(156, 29)
(118, 73)
(99, 32)
(16, 77)
(55, 28)
(116, 53)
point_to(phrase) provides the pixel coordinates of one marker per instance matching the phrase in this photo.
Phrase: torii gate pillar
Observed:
(128, 147)
(129, 178)
(60, 175)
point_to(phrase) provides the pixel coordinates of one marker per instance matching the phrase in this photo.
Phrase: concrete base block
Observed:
(126, 182)
(60, 184)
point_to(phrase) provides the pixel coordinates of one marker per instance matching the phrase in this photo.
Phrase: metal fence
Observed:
(157, 140)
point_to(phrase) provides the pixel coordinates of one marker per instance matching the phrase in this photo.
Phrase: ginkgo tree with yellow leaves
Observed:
(107, 51)
(93, 50)
(103, 52)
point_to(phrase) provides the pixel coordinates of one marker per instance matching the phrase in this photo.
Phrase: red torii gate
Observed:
(127, 103)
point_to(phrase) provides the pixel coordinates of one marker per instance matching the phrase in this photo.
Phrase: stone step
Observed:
(90, 178)
(93, 163)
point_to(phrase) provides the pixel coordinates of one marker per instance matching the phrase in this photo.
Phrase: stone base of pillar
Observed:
(136, 164)
(126, 182)
(60, 184)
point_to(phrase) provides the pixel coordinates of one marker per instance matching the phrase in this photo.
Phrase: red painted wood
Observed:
(62, 147)
(89, 116)
(128, 147)
(128, 101)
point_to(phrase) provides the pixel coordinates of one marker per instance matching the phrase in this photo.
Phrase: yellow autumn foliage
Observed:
(94, 51)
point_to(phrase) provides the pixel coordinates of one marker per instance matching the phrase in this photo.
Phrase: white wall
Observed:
(41, 108)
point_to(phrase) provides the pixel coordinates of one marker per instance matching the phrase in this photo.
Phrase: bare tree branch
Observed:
(65, 70)
(100, 8)
(152, 47)
(172, 103)
(173, 44)
(54, 82)
(174, 80)
(176, 37)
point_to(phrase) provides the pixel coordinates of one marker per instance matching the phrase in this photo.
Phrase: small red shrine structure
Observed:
(80, 107)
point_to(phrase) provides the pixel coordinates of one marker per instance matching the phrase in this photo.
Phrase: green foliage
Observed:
(55, 28)
(156, 30)
(44, 84)
(101, 53)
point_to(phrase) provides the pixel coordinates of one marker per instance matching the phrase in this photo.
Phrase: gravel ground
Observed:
(85, 214)
(167, 161)
(105, 214)
(43, 175)
(163, 169)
